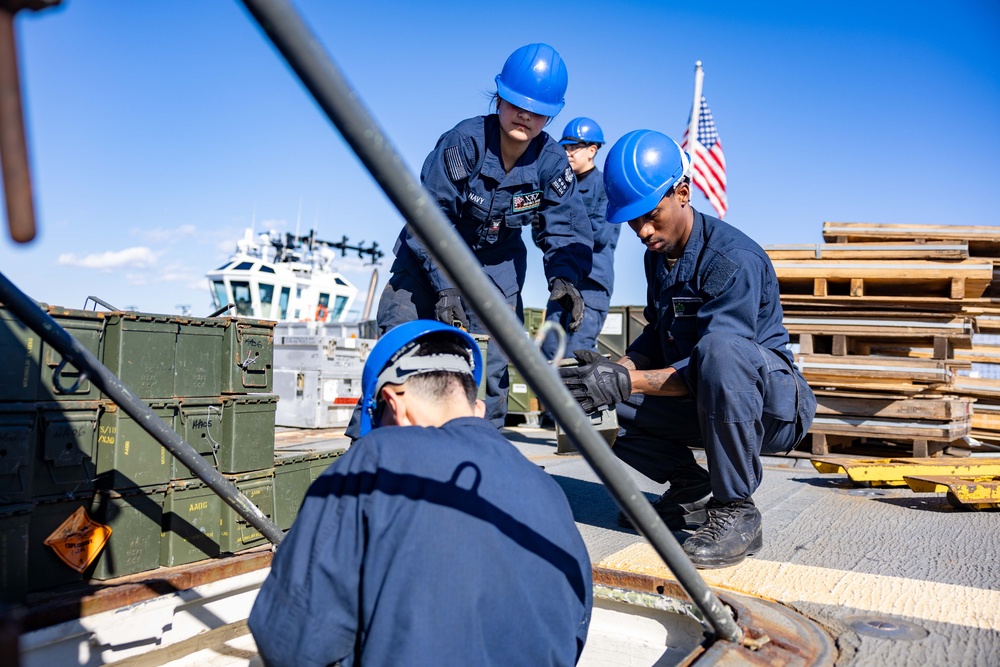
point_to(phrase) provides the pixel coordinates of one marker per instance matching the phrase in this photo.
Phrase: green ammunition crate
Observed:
(237, 533)
(198, 357)
(636, 322)
(64, 465)
(14, 522)
(128, 456)
(292, 477)
(533, 319)
(45, 569)
(200, 423)
(248, 356)
(520, 396)
(192, 523)
(20, 353)
(247, 433)
(613, 337)
(139, 349)
(87, 327)
(294, 472)
(18, 438)
(134, 519)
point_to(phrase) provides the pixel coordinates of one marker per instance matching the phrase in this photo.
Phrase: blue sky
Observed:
(159, 130)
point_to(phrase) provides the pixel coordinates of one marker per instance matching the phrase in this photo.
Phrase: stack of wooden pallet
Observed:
(887, 322)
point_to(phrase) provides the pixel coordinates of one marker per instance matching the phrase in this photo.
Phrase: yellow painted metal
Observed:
(979, 492)
(890, 472)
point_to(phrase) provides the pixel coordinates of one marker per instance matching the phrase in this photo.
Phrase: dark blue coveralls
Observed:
(428, 546)
(597, 287)
(716, 318)
(465, 176)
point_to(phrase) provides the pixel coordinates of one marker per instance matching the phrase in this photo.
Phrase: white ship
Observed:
(287, 278)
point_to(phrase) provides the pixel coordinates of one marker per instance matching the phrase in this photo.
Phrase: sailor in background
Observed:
(581, 139)
(493, 175)
(433, 540)
(710, 369)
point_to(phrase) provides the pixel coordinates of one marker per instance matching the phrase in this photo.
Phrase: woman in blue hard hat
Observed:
(493, 175)
(712, 366)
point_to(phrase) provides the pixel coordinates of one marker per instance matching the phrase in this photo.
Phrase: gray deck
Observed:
(897, 578)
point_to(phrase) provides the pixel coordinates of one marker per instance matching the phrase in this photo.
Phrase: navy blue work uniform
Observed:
(488, 206)
(428, 546)
(596, 288)
(716, 318)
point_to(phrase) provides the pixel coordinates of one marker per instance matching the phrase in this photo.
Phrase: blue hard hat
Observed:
(389, 348)
(534, 78)
(640, 169)
(582, 130)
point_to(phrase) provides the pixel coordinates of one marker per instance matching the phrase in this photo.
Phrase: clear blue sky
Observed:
(159, 130)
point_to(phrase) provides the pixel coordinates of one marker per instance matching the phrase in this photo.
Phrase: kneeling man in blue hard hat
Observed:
(432, 540)
(711, 368)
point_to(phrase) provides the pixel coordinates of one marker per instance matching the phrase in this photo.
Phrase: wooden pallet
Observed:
(888, 406)
(869, 251)
(827, 367)
(983, 240)
(916, 278)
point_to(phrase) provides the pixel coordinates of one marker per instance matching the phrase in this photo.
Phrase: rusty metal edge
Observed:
(44, 610)
(793, 639)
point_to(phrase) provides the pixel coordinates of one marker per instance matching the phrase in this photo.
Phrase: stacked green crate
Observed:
(192, 523)
(237, 533)
(14, 522)
(248, 356)
(521, 398)
(294, 471)
(18, 437)
(135, 519)
(613, 337)
(64, 464)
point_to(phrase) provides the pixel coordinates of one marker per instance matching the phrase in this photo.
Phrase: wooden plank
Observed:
(954, 280)
(882, 232)
(873, 367)
(890, 429)
(955, 250)
(943, 408)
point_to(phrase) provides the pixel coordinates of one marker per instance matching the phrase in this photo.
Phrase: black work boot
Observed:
(733, 532)
(682, 505)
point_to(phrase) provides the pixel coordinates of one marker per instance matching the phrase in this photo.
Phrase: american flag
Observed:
(709, 161)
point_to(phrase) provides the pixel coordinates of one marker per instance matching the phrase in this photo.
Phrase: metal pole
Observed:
(699, 75)
(13, 146)
(84, 361)
(317, 71)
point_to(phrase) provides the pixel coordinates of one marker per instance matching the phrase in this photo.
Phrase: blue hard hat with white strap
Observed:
(393, 360)
(640, 169)
(582, 130)
(534, 78)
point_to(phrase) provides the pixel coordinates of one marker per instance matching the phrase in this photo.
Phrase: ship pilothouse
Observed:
(287, 278)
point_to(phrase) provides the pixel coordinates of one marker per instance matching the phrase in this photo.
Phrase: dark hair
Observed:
(440, 384)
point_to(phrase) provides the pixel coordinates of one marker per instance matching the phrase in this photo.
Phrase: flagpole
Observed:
(699, 75)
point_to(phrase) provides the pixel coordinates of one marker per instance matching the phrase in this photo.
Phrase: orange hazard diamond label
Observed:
(78, 540)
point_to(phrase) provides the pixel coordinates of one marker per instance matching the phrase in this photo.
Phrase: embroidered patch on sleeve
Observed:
(455, 164)
(526, 202)
(722, 270)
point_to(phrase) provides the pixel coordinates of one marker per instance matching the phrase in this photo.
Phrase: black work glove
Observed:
(596, 383)
(568, 296)
(449, 309)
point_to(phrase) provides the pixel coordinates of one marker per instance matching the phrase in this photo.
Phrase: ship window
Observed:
(340, 281)
(241, 295)
(323, 308)
(221, 298)
(243, 266)
(338, 308)
(283, 302)
(266, 269)
(223, 266)
(266, 297)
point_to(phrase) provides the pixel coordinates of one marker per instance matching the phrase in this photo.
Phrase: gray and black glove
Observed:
(568, 296)
(449, 308)
(596, 383)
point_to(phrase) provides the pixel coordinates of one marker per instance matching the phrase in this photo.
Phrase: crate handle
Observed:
(57, 377)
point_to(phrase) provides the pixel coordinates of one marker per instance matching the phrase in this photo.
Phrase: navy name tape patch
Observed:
(685, 306)
(526, 202)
